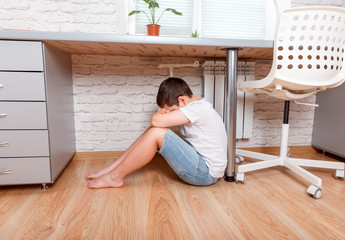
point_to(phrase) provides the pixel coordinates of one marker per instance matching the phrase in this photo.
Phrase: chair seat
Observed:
(282, 94)
(284, 89)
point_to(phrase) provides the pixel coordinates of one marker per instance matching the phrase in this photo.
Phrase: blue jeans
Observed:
(185, 161)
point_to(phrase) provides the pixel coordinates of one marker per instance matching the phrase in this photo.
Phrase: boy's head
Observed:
(170, 90)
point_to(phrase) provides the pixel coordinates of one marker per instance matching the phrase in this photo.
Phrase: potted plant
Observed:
(153, 27)
(195, 34)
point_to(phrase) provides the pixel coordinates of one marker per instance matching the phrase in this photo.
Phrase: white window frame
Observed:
(129, 6)
(275, 7)
(197, 16)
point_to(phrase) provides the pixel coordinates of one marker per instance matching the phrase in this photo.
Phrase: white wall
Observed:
(115, 95)
(63, 15)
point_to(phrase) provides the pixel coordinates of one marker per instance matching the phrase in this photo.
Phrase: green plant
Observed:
(195, 34)
(152, 5)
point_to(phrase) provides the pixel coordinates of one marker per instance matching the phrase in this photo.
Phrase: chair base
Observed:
(294, 164)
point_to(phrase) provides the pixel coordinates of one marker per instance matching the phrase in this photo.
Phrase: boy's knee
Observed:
(159, 133)
(159, 130)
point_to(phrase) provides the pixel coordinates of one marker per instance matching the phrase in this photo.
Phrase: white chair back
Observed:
(309, 48)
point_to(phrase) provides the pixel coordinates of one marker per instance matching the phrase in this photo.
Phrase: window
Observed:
(245, 19)
(171, 24)
(233, 18)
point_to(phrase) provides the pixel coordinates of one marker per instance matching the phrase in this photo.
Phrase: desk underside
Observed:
(157, 50)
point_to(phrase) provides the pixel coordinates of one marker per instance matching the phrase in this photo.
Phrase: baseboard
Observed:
(97, 155)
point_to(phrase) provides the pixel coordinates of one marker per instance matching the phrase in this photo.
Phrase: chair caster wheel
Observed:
(314, 191)
(239, 159)
(339, 173)
(240, 178)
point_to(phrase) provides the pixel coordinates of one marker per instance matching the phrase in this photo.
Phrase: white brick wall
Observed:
(115, 95)
(63, 15)
(115, 98)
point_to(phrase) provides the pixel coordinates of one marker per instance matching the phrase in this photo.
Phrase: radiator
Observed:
(214, 74)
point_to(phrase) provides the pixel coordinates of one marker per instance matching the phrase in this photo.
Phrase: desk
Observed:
(129, 45)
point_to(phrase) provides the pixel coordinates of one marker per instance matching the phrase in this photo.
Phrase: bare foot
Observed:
(103, 171)
(105, 181)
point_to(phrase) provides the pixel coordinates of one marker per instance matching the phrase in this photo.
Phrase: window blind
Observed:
(243, 19)
(171, 24)
(246, 19)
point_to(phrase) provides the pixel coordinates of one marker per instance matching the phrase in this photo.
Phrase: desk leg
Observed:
(230, 110)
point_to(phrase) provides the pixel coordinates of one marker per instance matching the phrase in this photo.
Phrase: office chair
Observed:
(308, 57)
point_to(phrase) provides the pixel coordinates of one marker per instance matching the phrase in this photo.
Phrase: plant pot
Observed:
(153, 29)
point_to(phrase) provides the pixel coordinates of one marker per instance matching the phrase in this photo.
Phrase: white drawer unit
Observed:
(12, 115)
(21, 56)
(22, 86)
(36, 113)
(24, 170)
(24, 143)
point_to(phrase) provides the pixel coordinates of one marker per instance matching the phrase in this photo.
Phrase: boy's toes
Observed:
(90, 176)
(90, 184)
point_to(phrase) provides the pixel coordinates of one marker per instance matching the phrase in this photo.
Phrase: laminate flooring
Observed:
(155, 204)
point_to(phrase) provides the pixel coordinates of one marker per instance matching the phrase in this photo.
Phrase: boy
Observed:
(199, 158)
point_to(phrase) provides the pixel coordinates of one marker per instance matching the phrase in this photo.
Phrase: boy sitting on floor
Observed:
(199, 158)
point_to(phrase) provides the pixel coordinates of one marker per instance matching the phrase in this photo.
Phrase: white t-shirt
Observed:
(206, 133)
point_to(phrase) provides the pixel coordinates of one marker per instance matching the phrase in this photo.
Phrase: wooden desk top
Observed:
(135, 45)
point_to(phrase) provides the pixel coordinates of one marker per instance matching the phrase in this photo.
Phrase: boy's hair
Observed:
(169, 91)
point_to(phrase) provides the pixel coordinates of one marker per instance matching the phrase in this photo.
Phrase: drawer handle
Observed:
(3, 115)
(4, 144)
(5, 172)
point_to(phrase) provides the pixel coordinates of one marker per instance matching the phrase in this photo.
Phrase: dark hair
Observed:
(169, 91)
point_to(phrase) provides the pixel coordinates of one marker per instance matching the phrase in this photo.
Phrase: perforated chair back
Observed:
(309, 47)
(308, 54)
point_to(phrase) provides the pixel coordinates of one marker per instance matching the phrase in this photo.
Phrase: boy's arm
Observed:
(168, 119)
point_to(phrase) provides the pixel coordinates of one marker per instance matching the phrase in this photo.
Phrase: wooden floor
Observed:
(155, 204)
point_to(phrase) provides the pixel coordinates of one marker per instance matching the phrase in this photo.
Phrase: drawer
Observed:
(23, 115)
(24, 170)
(21, 56)
(25, 143)
(22, 86)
